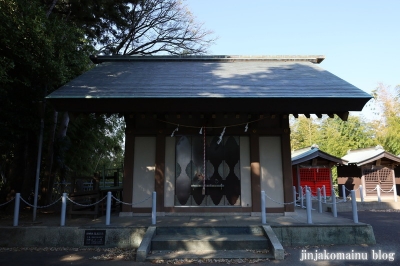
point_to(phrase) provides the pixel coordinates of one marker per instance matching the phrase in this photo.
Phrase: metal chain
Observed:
(85, 205)
(282, 203)
(6, 202)
(132, 204)
(352, 189)
(340, 201)
(39, 207)
(386, 191)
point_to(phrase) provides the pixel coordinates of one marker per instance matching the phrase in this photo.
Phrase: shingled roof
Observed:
(313, 152)
(370, 155)
(269, 84)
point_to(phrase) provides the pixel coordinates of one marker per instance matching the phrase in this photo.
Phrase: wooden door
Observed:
(381, 176)
(316, 178)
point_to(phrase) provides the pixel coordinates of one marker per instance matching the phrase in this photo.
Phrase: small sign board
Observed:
(95, 237)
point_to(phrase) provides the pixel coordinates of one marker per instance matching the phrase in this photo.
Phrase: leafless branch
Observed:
(156, 26)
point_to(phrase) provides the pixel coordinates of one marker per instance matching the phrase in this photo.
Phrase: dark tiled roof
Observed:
(213, 77)
(309, 153)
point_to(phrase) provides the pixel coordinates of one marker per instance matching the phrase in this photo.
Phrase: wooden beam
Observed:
(314, 162)
(128, 163)
(344, 116)
(287, 168)
(255, 169)
(160, 170)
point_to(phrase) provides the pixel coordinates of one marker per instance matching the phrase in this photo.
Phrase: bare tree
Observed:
(155, 26)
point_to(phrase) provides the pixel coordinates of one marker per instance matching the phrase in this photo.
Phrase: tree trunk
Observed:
(47, 187)
(61, 134)
(51, 8)
(64, 126)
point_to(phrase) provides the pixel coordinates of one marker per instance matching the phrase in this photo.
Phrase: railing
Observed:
(64, 199)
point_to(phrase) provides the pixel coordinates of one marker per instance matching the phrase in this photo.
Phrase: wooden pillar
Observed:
(160, 171)
(128, 164)
(255, 172)
(287, 168)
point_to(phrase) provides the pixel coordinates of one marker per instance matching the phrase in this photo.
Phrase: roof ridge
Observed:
(97, 59)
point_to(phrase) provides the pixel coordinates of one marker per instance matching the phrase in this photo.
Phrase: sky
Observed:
(359, 38)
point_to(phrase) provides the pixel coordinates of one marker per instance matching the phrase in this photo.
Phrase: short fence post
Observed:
(301, 197)
(395, 193)
(294, 196)
(354, 205)
(324, 193)
(361, 193)
(299, 188)
(63, 208)
(263, 205)
(16, 209)
(319, 200)
(334, 209)
(308, 204)
(108, 210)
(153, 212)
(344, 192)
(378, 192)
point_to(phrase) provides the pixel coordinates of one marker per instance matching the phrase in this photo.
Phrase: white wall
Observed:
(144, 170)
(169, 185)
(245, 172)
(271, 169)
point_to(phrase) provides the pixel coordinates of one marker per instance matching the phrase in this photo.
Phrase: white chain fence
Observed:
(65, 198)
(79, 204)
(40, 207)
(282, 203)
(5, 203)
(131, 204)
(86, 205)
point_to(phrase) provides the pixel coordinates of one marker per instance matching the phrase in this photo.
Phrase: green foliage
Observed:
(92, 141)
(303, 132)
(332, 135)
(387, 127)
(336, 136)
(37, 55)
(391, 139)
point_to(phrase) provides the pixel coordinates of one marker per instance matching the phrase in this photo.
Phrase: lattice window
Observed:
(376, 175)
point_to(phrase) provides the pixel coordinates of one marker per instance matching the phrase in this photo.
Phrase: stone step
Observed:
(209, 242)
(209, 254)
(213, 230)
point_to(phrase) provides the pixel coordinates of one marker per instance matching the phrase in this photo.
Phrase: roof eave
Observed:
(316, 154)
(381, 155)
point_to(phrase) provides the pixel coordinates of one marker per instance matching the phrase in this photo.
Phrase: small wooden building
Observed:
(313, 168)
(208, 133)
(369, 167)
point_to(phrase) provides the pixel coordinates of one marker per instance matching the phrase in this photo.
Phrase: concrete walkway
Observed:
(299, 217)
